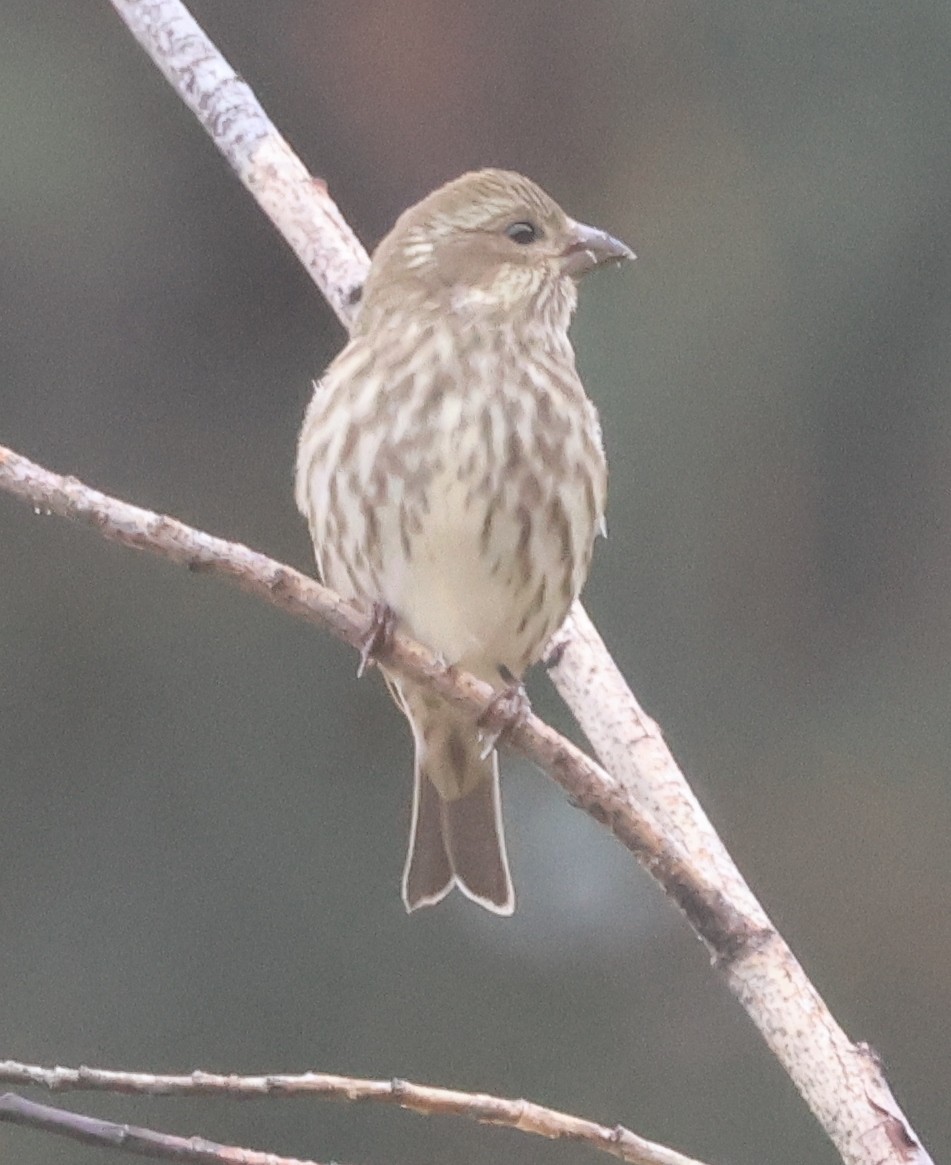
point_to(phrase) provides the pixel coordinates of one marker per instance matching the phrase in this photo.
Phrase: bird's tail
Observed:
(456, 836)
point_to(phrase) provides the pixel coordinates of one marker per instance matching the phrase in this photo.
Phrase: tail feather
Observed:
(472, 832)
(456, 836)
(428, 876)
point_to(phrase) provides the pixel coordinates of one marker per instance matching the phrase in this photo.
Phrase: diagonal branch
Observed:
(17, 1110)
(723, 928)
(296, 202)
(523, 1115)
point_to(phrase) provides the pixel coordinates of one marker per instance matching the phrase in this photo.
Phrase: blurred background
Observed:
(205, 814)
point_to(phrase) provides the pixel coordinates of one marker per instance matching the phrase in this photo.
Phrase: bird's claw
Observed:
(507, 709)
(378, 637)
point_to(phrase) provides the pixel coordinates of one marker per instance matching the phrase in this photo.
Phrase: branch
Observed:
(296, 202)
(842, 1082)
(723, 928)
(489, 1110)
(17, 1110)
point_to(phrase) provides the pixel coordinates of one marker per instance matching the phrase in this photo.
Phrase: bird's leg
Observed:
(378, 637)
(508, 708)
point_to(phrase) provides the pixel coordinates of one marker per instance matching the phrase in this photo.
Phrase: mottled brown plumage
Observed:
(451, 470)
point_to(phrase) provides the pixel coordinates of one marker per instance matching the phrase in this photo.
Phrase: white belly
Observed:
(461, 600)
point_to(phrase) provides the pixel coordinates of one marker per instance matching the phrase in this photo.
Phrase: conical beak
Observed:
(589, 248)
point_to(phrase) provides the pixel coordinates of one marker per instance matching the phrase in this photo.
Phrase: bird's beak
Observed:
(589, 248)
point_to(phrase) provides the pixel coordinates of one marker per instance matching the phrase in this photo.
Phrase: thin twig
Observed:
(523, 1115)
(17, 1110)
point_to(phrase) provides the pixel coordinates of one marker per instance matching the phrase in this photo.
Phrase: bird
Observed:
(452, 473)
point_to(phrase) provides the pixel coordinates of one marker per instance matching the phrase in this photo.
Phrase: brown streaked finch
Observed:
(451, 469)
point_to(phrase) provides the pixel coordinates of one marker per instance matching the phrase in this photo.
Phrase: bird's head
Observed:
(489, 244)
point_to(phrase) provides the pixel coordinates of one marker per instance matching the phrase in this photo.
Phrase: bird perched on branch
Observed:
(451, 469)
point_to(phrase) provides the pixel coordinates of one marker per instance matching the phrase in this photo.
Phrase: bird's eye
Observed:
(523, 233)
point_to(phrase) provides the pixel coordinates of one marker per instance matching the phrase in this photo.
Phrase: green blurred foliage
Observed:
(204, 812)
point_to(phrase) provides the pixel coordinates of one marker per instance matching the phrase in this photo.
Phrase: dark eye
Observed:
(523, 233)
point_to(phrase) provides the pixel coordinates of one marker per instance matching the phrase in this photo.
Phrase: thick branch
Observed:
(17, 1110)
(301, 208)
(296, 202)
(490, 1110)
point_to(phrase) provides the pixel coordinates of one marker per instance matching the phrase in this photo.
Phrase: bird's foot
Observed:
(378, 637)
(507, 709)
